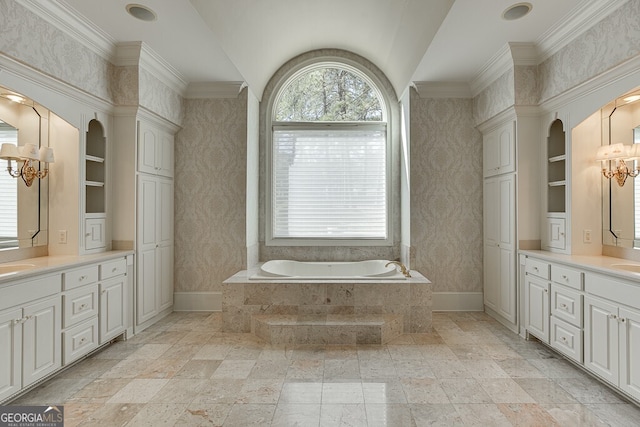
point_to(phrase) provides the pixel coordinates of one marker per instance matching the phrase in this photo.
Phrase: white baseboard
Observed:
(458, 301)
(197, 301)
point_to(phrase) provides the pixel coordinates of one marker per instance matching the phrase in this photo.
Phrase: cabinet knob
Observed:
(563, 305)
(81, 278)
(564, 339)
(535, 268)
(82, 340)
(565, 277)
(622, 319)
(114, 269)
(546, 291)
(612, 316)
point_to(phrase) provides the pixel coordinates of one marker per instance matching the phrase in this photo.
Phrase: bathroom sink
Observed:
(633, 268)
(12, 268)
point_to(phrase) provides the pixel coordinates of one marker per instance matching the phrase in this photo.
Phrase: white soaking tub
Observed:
(358, 270)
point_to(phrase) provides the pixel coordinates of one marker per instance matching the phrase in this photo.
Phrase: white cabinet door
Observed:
(10, 352)
(601, 338)
(147, 146)
(165, 256)
(147, 286)
(499, 150)
(112, 308)
(165, 154)
(155, 151)
(500, 260)
(629, 337)
(147, 215)
(492, 276)
(165, 211)
(41, 340)
(537, 307)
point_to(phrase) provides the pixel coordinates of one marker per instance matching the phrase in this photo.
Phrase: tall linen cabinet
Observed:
(510, 217)
(143, 218)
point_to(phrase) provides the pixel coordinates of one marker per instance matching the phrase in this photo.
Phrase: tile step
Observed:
(343, 329)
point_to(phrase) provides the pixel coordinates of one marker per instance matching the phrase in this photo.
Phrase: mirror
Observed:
(23, 209)
(621, 204)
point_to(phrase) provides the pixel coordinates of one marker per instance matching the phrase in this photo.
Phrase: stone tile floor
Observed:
(470, 371)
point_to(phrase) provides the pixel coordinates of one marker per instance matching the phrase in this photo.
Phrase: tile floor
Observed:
(470, 371)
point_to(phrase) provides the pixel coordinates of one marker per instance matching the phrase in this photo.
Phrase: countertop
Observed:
(52, 264)
(595, 263)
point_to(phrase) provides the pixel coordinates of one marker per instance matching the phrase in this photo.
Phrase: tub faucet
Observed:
(401, 266)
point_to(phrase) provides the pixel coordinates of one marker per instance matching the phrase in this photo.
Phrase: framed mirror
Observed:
(23, 209)
(621, 203)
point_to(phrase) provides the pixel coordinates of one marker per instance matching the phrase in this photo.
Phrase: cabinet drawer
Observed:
(79, 304)
(567, 276)
(566, 304)
(79, 277)
(113, 268)
(622, 292)
(80, 340)
(29, 290)
(538, 268)
(567, 339)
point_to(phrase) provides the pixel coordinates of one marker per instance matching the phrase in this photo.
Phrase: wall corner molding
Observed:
(131, 54)
(443, 89)
(214, 90)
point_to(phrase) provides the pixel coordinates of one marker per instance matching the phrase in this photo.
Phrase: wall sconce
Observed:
(27, 154)
(619, 153)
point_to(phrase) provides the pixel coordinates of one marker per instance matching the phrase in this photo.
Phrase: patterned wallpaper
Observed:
(210, 183)
(157, 97)
(446, 193)
(497, 97)
(593, 52)
(31, 40)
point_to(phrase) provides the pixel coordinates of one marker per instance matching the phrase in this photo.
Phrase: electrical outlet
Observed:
(586, 236)
(62, 237)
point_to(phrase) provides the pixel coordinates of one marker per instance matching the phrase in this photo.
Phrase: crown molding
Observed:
(560, 35)
(214, 90)
(497, 65)
(573, 25)
(66, 19)
(139, 54)
(443, 89)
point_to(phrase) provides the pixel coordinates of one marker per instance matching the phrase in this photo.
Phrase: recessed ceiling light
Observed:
(516, 11)
(141, 12)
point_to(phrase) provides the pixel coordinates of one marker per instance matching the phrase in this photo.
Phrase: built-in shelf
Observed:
(560, 158)
(95, 176)
(556, 169)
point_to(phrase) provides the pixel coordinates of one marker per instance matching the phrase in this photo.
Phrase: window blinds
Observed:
(329, 181)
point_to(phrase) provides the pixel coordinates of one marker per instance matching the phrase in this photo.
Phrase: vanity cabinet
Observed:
(588, 316)
(612, 332)
(51, 320)
(536, 298)
(30, 332)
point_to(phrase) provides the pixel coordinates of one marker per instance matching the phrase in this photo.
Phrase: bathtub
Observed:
(359, 270)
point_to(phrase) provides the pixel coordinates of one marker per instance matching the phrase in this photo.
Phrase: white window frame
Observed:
(371, 79)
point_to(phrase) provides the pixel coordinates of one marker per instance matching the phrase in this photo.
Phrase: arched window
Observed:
(329, 159)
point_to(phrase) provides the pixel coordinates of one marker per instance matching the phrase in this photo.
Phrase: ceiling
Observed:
(248, 40)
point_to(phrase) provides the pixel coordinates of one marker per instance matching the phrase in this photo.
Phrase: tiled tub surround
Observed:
(326, 311)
